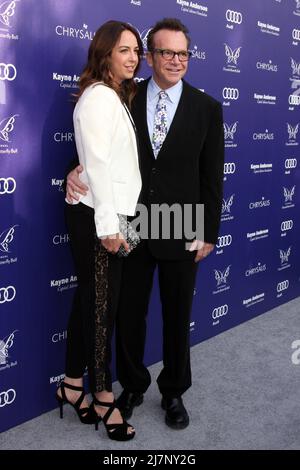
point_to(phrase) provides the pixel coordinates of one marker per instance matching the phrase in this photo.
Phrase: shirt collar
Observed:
(172, 92)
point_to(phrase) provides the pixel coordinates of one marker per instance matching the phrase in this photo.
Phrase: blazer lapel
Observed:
(132, 130)
(140, 116)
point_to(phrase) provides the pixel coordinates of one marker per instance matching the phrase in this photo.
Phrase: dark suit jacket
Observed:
(189, 166)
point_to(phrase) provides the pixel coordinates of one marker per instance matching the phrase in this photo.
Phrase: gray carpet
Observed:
(245, 395)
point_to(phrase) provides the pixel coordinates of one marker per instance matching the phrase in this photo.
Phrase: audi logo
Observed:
(287, 225)
(290, 163)
(283, 285)
(229, 168)
(7, 185)
(7, 72)
(230, 93)
(294, 100)
(6, 398)
(224, 240)
(219, 311)
(234, 16)
(296, 34)
(7, 294)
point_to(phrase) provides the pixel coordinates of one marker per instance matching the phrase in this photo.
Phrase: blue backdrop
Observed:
(245, 54)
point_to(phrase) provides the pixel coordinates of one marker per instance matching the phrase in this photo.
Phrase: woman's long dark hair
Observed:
(97, 67)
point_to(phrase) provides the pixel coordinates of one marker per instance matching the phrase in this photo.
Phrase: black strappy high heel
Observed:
(86, 415)
(117, 432)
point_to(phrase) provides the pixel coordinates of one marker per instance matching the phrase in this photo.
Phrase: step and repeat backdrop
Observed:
(246, 55)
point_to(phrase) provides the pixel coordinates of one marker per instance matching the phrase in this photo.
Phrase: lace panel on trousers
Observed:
(101, 306)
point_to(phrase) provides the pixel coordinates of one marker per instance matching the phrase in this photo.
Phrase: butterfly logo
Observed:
(221, 277)
(5, 345)
(229, 131)
(295, 67)
(284, 255)
(7, 9)
(293, 131)
(144, 36)
(232, 54)
(289, 193)
(7, 126)
(227, 203)
(6, 238)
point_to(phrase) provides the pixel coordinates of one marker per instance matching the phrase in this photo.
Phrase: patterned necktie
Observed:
(160, 123)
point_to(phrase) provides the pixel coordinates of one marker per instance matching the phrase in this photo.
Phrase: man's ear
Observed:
(149, 59)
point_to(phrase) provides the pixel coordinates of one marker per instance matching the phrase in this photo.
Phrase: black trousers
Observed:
(95, 302)
(176, 283)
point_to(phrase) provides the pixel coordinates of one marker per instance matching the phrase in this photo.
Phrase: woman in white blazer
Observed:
(107, 149)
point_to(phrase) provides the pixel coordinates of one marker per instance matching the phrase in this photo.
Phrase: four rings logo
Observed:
(219, 312)
(8, 397)
(224, 240)
(290, 163)
(229, 168)
(296, 34)
(230, 93)
(7, 185)
(281, 286)
(286, 225)
(294, 100)
(7, 72)
(7, 294)
(234, 16)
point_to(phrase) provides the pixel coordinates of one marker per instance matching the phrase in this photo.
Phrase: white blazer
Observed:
(107, 149)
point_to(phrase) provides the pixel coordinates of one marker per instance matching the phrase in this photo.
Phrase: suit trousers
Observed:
(176, 284)
(94, 307)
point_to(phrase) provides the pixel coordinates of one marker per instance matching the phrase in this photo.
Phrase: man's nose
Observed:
(176, 59)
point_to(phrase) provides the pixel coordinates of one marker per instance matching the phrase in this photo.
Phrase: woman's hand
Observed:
(112, 243)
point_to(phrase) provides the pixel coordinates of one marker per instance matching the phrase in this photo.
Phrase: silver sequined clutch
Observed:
(129, 234)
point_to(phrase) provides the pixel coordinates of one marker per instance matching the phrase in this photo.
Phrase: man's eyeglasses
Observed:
(183, 56)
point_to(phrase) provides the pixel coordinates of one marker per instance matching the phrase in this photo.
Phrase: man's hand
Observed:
(112, 243)
(204, 251)
(74, 185)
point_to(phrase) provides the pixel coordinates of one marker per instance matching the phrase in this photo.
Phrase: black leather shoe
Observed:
(176, 415)
(127, 401)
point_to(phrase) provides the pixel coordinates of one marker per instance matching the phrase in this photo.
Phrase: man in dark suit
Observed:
(180, 133)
